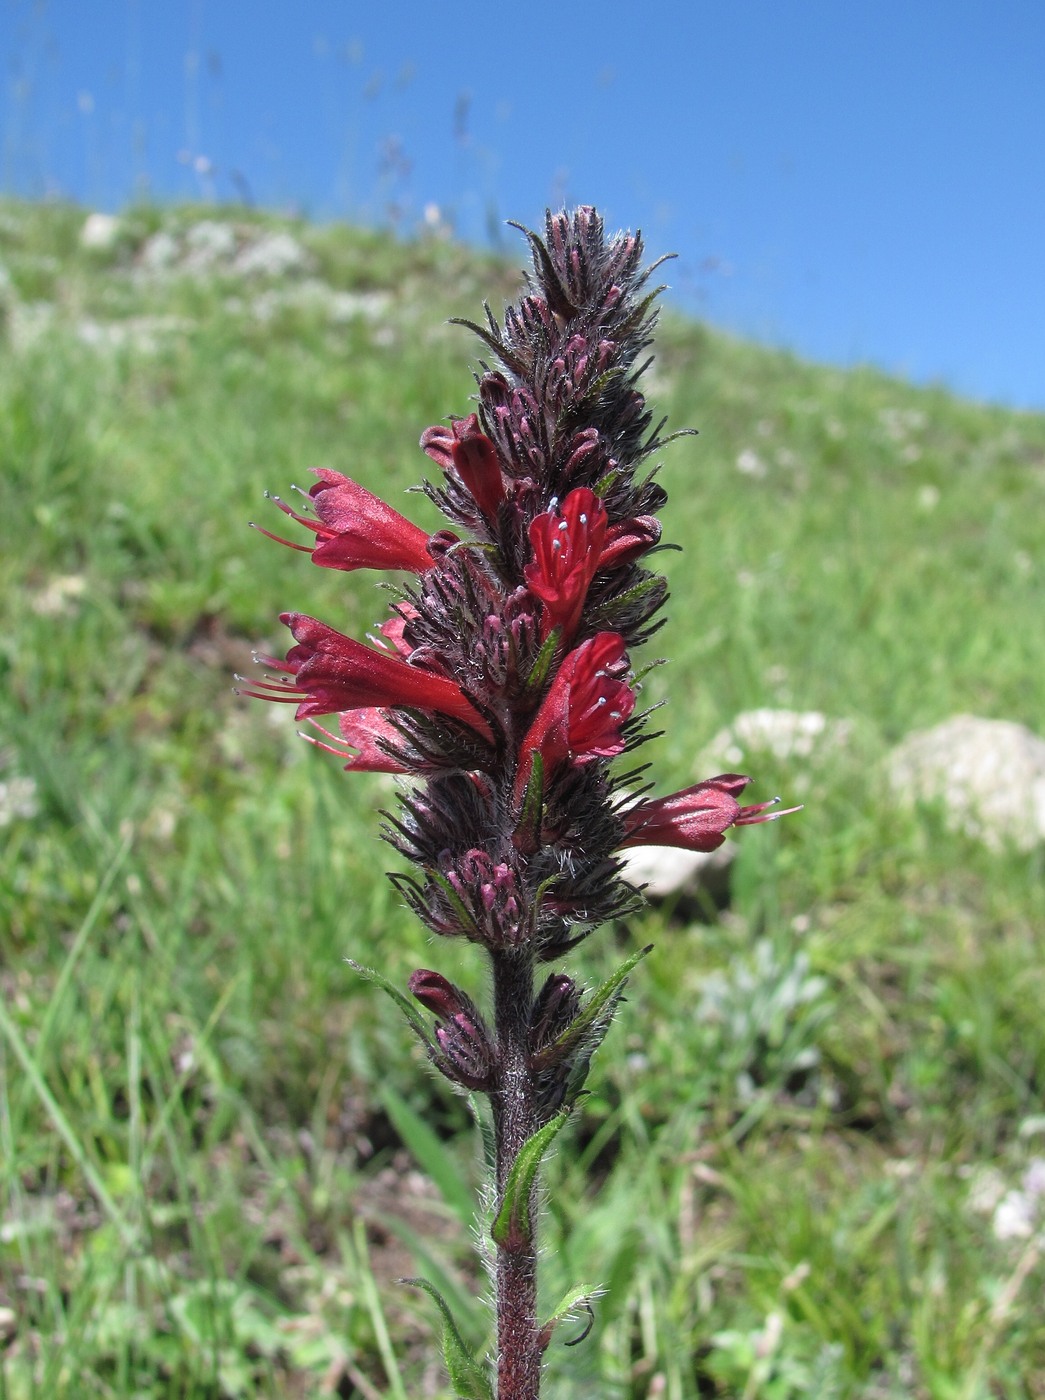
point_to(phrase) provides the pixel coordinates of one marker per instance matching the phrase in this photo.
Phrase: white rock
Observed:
(989, 774)
(60, 596)
(665, 870)
(99, 231)
(18, 801)
(786, 734)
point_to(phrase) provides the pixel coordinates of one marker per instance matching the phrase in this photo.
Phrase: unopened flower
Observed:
(355, 529)
(488, 891)
(628, 540)
(465, 1054)
(584, 712)
(556, 1005)
(465, 450)
(697, 818)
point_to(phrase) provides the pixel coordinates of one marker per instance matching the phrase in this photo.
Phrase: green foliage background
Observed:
(218, 1148)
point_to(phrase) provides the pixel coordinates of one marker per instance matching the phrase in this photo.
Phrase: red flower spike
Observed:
(567, 549)
(697, 818)
(333, 673)
(356, 529)
(472, 456)
(586, 707)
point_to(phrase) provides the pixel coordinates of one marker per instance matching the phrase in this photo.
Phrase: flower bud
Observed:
(557, 1004)
(465, 1054)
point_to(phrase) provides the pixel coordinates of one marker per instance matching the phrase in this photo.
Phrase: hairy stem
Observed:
(514, 1115)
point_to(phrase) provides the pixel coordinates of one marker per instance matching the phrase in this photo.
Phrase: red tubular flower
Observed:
(628, 540)
(334, 673)
(570, 546)
(697, 818)
(356, 529)
(472, 456)
(567, 549)
(586, 707)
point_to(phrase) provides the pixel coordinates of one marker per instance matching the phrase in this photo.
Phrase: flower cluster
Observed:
(502, 680)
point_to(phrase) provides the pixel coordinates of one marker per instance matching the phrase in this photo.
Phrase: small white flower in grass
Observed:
(1020, 1211)
(18, 800)
(749, 463)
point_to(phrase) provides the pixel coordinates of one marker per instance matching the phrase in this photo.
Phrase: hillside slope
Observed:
(821, 1095)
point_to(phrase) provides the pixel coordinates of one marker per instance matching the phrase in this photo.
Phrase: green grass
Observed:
(206, 1189)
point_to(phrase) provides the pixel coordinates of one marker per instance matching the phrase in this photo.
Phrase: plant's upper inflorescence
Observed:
(502, 680)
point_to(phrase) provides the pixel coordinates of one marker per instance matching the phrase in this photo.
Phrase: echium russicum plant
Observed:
(502, 689)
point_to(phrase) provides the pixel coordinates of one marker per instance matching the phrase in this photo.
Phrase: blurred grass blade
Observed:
(64, 1129)
(83, 933)
(431, 1155)
(368, 1287)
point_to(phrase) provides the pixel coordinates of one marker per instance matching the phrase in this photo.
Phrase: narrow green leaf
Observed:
(512, 1222)
(595, 1015)
(368, 1288)
(472, 1321)
(606, 613)
(604, 484)
(542, 665)
(416, 1020)
(64, 1128)
(467, 1376)
(582, 1296)
(430, 1154)
(526, 836)
(484, 1123)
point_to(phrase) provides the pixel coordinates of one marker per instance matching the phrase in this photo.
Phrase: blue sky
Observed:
(855, 179)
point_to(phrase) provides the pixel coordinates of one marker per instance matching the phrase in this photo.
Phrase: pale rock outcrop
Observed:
(989, 774)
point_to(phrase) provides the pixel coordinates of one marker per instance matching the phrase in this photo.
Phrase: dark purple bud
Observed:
(465, 1054)
(557, 1004)
(468, 1056)
(436, 994)
(490, 891)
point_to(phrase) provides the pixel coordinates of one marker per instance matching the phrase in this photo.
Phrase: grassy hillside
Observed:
(218, 1149)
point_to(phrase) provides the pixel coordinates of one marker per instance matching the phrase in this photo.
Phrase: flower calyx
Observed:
(463, 1050)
